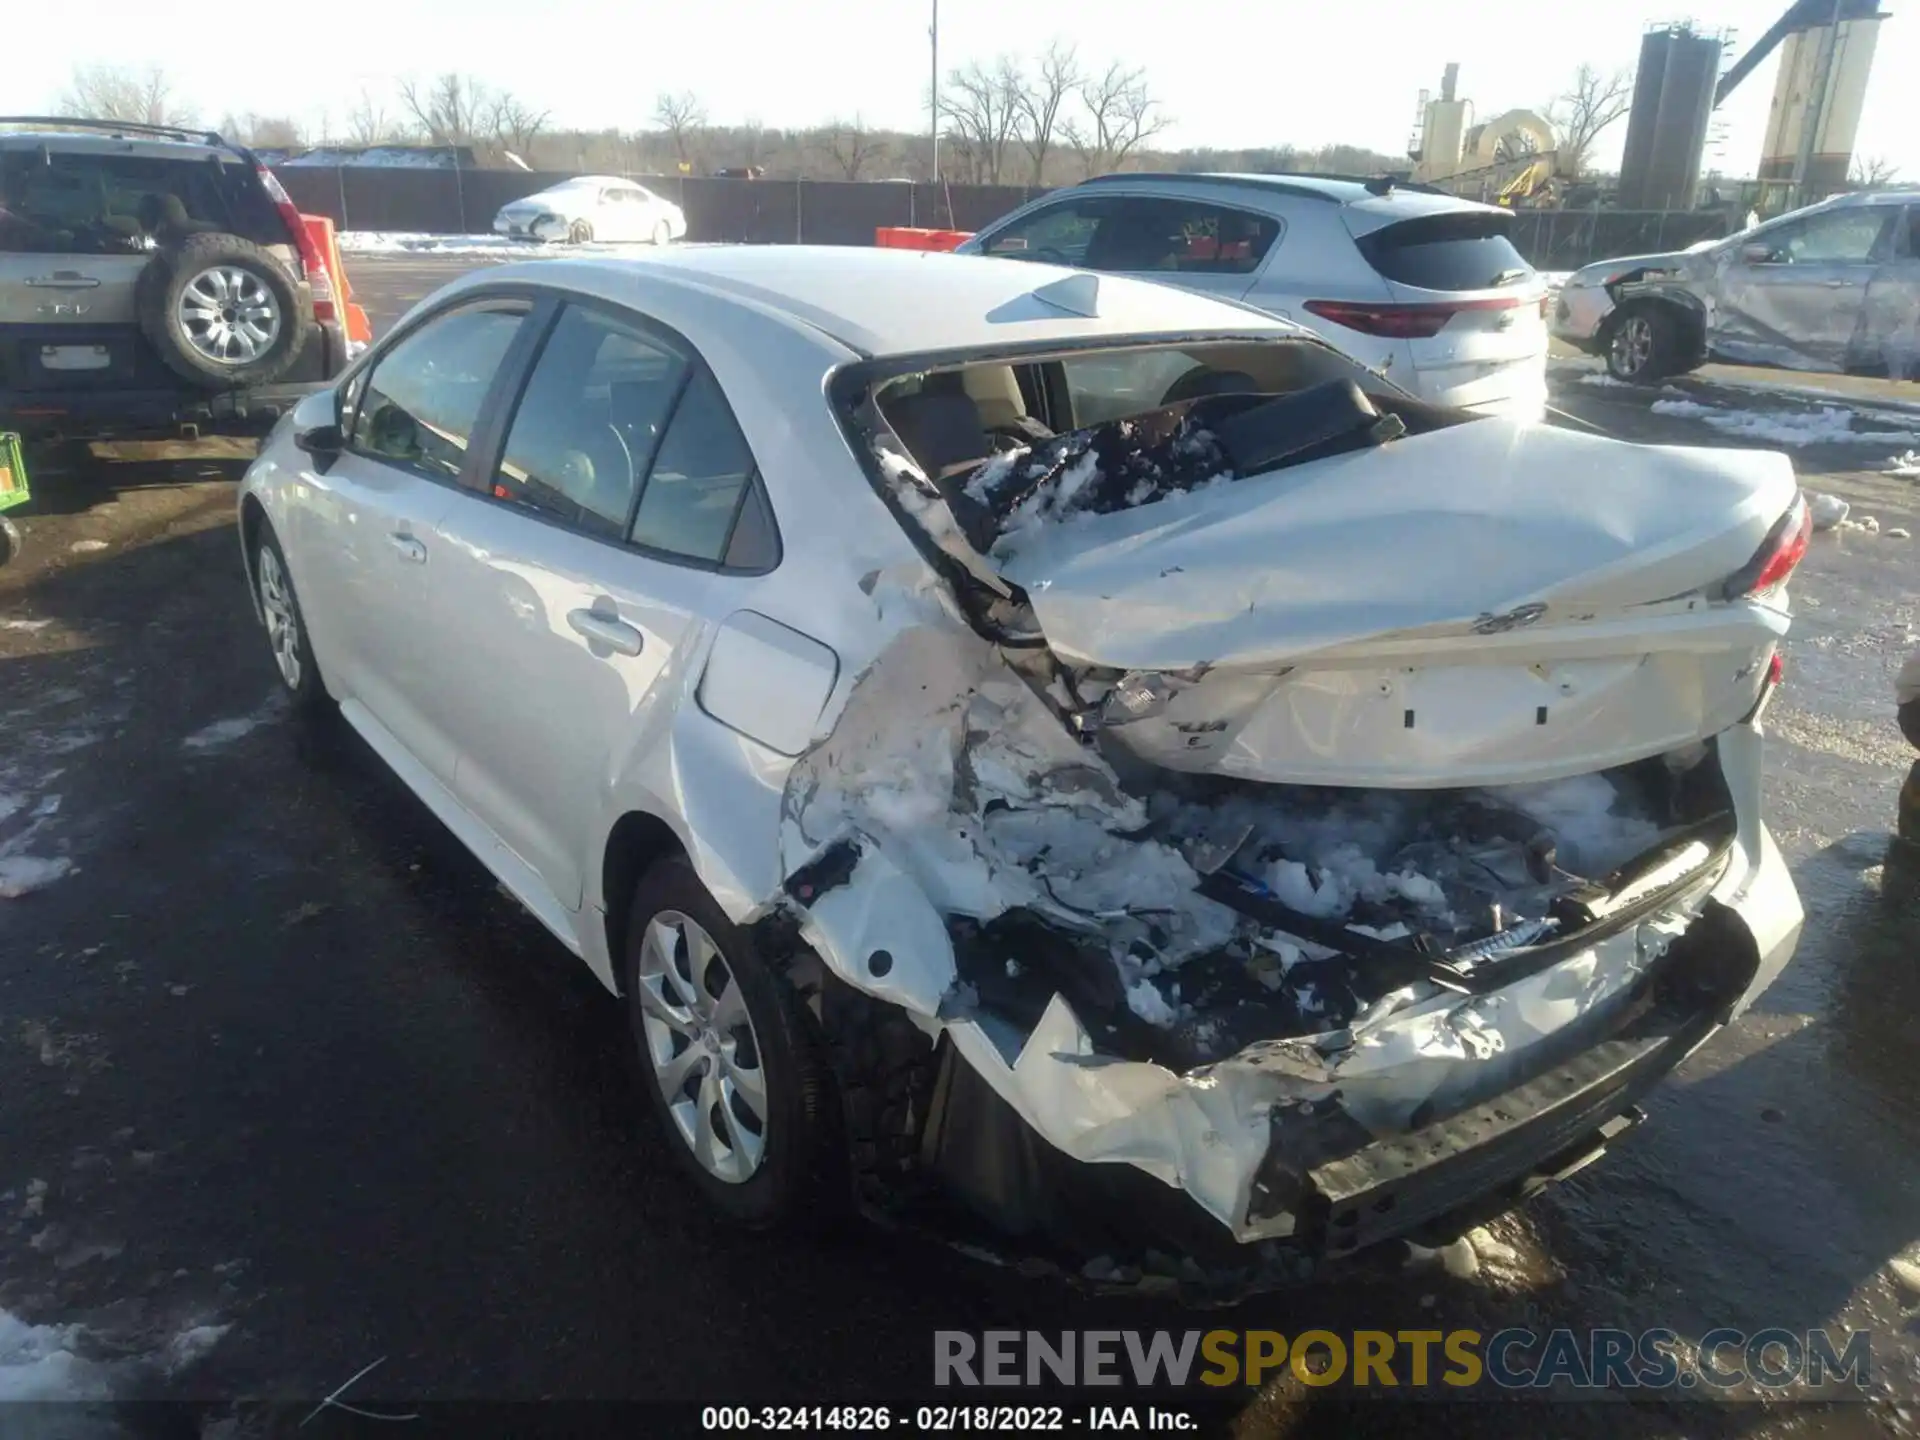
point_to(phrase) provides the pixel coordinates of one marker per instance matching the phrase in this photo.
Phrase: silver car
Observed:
(1056, 740)
(1834, 287)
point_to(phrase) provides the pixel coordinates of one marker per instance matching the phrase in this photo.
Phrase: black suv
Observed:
(151, 278)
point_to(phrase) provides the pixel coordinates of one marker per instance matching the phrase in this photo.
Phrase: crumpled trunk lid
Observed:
(1485, 603)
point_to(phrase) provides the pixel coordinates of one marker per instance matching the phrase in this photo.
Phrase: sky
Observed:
(1254, 74)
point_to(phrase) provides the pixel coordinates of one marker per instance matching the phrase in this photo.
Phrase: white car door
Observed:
(616, 214)
(582, 576)
(364, 549)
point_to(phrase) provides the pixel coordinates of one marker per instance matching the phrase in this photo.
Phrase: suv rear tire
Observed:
(222, 312)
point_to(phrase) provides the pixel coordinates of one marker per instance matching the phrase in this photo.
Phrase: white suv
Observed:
(1404, 278)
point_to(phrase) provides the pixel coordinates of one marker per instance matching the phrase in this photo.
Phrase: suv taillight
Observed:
(312, 262)
(1406, 322)
(1778, 557)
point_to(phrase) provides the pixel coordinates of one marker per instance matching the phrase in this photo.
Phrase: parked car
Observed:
(151, 277)
(1404, 278)
(1055, 739)
(593, 207)
(1833, 287)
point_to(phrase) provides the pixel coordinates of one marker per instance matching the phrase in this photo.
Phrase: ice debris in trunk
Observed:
(1115, 466)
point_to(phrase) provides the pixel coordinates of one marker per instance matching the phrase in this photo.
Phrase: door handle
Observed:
(64, 280)
(1836, 284)
(410, 549)
(607, 630)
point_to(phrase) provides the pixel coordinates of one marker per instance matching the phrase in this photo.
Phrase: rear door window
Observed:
(1181, 237)
(116, 204)
(702, 480)
(1460, 250)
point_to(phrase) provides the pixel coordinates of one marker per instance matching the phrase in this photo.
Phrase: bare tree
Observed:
(852, 145)
(271, 132)
(982, 109)
(1595, 102)
(1871, 172)
(1040, 102)
(107, 92)
(1121, 115)
(367, 121)
(452, 109)
(515, 124)
(683, 117)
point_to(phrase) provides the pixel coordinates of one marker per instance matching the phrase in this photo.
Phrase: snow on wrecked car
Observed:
(1337, 809)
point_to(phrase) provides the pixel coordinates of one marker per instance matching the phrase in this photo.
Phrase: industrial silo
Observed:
(1836, 85)
(1667, 126)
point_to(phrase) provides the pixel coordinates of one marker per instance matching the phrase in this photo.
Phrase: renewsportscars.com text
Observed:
(1774, 1360)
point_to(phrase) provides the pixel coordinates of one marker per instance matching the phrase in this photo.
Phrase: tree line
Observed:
(1049, 120)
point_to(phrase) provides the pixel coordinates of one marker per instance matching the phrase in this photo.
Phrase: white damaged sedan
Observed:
(593, 207)
(1054, 743)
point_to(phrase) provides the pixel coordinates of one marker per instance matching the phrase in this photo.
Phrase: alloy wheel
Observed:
(282, 616)
(229, 315)
(1632, 345)
(701, 1043)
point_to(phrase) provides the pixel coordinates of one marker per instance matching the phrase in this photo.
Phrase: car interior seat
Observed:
(941, 425)
(1204, 380)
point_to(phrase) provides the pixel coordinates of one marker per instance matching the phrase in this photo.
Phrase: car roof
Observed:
(879, 302)
(1365, 204)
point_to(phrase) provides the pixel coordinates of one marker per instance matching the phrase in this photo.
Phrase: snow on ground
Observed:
(222, 733)
(1555, 278)
(1826, 425)
(39, 1362)
(400, 242)
(1906, 466)
(49, 1363)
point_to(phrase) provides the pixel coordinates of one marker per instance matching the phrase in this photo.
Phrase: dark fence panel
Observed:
(1568, 239)
(847, 212)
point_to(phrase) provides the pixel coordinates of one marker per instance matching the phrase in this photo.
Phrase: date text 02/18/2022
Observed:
(945, 1419)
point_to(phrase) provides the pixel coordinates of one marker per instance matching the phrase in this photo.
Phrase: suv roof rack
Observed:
(1302, 182)
(130, 127)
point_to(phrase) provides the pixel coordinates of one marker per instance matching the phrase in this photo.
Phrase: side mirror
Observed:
(323, 442)
(1757, 254)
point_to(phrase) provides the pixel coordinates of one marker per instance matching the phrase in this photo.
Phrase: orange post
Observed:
(320, 230)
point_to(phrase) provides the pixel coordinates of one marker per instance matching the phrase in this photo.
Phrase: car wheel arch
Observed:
(253, 521)
(637, 842)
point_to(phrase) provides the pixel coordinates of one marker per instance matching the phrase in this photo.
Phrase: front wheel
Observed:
(286, 626)
(1643, 346)
(662, 233)
(732, 1069)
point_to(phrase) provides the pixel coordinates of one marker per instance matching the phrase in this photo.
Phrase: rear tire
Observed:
(579, 233)
(729, 1060)
(1643, 345)
(662, 234)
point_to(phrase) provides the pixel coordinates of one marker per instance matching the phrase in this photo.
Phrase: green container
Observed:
(13, 472)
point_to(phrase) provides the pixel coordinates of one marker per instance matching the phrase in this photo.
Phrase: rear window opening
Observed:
(1013, 446)
(1361, 898)
(1458, 250)
(80, 203)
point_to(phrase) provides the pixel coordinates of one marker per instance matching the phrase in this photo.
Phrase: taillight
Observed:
(1776, 669)
(1406, 322)
(312, 263)
(1778, 557)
